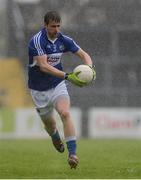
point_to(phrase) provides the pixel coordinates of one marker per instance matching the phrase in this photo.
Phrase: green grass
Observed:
(98, 159)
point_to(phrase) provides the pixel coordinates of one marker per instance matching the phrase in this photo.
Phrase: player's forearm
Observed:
(53, 71)
(84, 57)
(47, 68)
(87, 59)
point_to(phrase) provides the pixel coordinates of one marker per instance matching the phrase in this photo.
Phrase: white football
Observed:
(86, 73)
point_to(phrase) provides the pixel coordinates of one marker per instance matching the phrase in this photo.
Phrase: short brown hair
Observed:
(52, 16)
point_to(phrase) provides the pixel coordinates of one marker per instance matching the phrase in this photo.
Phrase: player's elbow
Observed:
(43, 68)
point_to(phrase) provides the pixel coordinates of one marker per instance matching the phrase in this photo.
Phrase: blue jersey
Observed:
(40, 45)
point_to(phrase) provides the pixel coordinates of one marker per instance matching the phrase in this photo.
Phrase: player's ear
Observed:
(45, 24)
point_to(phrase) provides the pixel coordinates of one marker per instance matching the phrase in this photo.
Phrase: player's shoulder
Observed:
(66, 37)
(36, 38)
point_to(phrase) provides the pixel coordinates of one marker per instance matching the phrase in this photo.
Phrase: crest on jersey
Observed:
(61, 47)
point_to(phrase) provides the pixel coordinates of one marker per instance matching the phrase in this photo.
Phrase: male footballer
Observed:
(47, 81)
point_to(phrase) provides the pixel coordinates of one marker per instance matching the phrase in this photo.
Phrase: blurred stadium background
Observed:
(110, 31)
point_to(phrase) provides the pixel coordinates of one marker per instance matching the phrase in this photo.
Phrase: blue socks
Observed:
(71, 142)
(71, 145)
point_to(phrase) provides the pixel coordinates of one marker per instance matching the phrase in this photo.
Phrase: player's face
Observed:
(53, 29)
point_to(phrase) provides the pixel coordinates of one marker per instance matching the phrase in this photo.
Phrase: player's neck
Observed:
(51, 37)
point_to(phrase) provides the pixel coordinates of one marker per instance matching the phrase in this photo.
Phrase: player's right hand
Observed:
(73, 78)
(94, 71)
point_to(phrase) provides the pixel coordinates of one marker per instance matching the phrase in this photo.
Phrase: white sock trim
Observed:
(70, 138)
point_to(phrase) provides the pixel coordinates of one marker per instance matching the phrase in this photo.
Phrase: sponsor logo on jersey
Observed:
(54, 59)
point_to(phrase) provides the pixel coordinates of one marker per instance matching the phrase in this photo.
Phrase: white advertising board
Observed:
(26, 123)
(114, 123)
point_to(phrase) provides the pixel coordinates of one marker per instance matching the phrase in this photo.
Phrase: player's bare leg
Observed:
(50, 127)
(63, 108)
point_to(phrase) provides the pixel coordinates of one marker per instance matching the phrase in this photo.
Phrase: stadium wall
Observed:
(13, 91)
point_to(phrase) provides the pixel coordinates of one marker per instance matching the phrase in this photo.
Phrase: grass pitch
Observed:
(98, 159)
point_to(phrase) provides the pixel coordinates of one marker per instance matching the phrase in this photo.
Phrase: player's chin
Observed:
(56, 34)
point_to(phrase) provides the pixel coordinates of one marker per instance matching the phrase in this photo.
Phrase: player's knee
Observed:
(65, 114)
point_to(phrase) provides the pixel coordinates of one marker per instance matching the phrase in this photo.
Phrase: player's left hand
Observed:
(73, 78)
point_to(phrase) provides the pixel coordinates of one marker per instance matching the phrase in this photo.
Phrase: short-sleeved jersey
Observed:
(40, 45)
